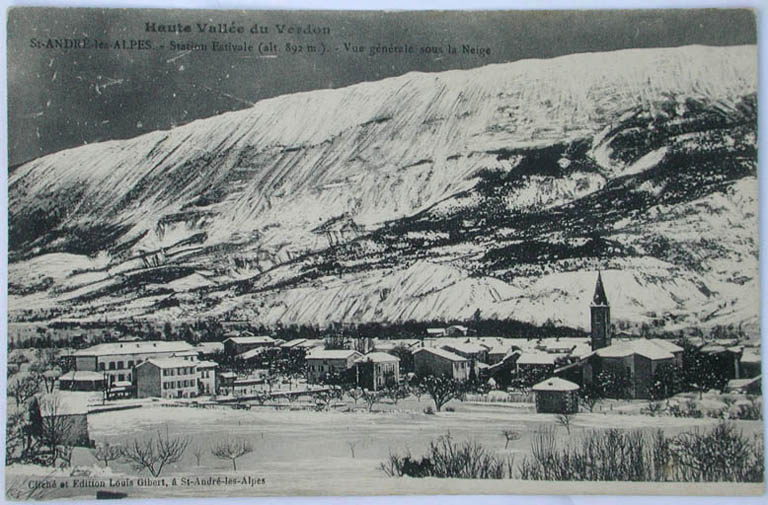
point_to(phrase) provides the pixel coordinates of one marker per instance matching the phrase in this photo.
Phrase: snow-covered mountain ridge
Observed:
(506, 176)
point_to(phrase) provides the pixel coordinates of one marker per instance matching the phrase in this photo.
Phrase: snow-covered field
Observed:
(308, 453)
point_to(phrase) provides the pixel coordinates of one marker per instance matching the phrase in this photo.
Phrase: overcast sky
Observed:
(59, 99)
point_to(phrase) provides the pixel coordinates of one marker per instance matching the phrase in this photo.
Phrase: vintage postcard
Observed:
(366, 253)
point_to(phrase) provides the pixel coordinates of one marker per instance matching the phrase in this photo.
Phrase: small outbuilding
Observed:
(556, 396)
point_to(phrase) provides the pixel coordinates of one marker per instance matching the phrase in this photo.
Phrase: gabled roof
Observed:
(651, 348)
(82, 375)
(599, 297)
(210, 347)
(536, 358)
(262, 339)
(149, 346)
(442, 353)
(555, 384)
(63, 403)
(750, 355)
(206, 364)
(250, 354)
(168, 363)
(333, 354)
(467, 347)
(379, 357)
(293, 343)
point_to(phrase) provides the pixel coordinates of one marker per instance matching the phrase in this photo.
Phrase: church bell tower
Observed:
(600, 317)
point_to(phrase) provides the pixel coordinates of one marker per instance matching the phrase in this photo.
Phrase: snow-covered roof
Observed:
(536, 358)
(169, 362)
(206, 364)
(442, 353)
(262, 339)
(210, 347)
(735, 384)
(63, 403)
(379, 357)
(149, 346)
(293, 343)
(466, 347)
(651, 348)
(250, 354)
(82, 375)
(750, 355)
(555, 384)
(435, 331)
(333, 354)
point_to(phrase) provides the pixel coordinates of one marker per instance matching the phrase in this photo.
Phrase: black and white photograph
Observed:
(327, 253)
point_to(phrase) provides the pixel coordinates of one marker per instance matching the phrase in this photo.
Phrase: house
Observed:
(238, 345)
(749, 364)
(531, 367)
(377, 370)
(66, 412)
(751, 386)
(456, 330)
(469, 350)
(166, 378)
(209, 349)
(556, 396)
(321, 363)
(435, 332)
(82, 381)
(118, 359)
(226, 382)
(638, 361)
(206, 377)
(431, 361)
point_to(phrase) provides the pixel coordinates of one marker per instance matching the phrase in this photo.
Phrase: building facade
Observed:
(166, 378)
(431, 361)
(378, 370)
(321, 363)
(117, 360)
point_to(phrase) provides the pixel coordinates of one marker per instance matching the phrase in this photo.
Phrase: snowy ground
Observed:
(304, 453)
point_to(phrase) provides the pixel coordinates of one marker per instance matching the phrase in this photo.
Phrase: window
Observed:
(165, 373)
(128, 377)
(121, 377)
(111, 365)
(120, 365)
(130, 364)
(101, 367)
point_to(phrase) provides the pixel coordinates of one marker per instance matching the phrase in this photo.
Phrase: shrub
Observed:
(447, 458)
(722, 454)
(429, 411)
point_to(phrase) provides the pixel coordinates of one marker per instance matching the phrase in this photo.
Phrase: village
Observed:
(68, 391)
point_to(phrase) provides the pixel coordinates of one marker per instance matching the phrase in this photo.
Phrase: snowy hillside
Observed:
(417, 197)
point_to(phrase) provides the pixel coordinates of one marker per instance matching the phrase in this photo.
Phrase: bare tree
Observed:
(22, 387)
(232, 449)
(397, 392)
(153, 454)
(54, 430)
(355, 394)
(352, 444)
(106, 453)
(564, 420)
(441, 389)
(197, 451)
(371, 398)
(510, 435)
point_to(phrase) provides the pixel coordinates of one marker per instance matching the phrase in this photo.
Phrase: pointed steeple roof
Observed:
(599, 297)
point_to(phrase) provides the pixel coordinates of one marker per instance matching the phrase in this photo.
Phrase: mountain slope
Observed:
(416, 197)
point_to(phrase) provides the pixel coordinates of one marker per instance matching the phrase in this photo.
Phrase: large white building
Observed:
(118, 359)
